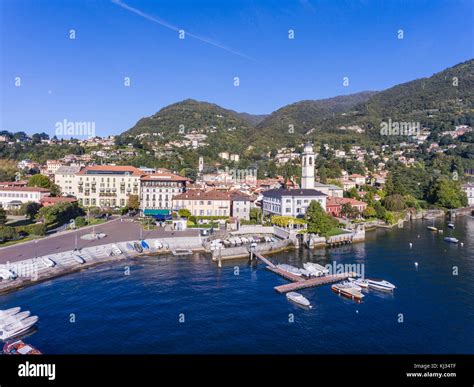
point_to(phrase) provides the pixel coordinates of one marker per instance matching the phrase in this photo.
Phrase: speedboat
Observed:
(351, 284)
(79, 259)
(9, 312)
(17, 328)
(451, 240)
(144, 244)
(363, 283)
(138, 247)
(48, 262)
(451, 225)
(19, 347)
(316, 269)
(380, 284)
(432, 228)
(299, 299)
(290, 269)
(348, 291)
(7, 274)
(13, 319)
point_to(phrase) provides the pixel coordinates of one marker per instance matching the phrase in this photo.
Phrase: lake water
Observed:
(188, 305)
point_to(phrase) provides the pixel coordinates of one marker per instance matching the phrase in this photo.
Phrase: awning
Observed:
(156, 212)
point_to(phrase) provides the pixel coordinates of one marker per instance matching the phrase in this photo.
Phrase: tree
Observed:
(184, 213)
(133, 202)
(43, 181)
(60, 213)
(322, 175)
(369, 212)
(447, 193)
(255, 215)
(319, 222)
(3, 217)
(394, 202)
(30, 209)
(348, 211)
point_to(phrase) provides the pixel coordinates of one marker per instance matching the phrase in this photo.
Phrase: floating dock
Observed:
(312, 282)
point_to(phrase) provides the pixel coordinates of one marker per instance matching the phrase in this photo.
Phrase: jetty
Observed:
(298, 282)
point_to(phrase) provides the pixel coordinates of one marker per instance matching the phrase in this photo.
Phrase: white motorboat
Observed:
(79, 259)
(451, 240)
(363, 283)
(306, 273)
(299, 299)
(9, 312)
(48, 262)
(116, 250)
(15, 318)
(451, 225)
(351, 284)
(17, 328)
(290, 269)
(380, 284)
(7, 274)
(318, 270)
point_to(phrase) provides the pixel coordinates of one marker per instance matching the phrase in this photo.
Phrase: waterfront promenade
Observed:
(116, 231)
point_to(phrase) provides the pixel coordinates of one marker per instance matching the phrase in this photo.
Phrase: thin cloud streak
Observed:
(164, 23)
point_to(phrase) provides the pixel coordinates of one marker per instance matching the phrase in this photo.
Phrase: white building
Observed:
(294, 202)
(65, 177)
(14, 197)
(307, 167)
(469, 189)
(329, 189)
(107, 185)
(291, 202)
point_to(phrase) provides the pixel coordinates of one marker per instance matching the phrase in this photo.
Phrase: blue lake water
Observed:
(228, 313)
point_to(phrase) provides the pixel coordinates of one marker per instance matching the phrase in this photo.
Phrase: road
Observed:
(116, 232)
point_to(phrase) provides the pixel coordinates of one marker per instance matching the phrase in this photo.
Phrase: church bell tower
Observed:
(307, 167)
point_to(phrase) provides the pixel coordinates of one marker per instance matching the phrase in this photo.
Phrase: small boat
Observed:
(290, 269)
(17, 328)
(318, 270)
(178, 252)
(299, 299)
(13, 319)
(19, 348)
(451, 225)
(9, 312)
(144, 244)
(130, 246)
(347, 291)
(7, 274)
(306, 273)
(432, 228)
(115, 250)
(451, 240)
(351, 284)
(380, 284)
(79, 259)
(363, 283)
(138, 247)
(48, 262)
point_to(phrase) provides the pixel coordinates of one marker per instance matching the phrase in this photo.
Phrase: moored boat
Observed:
(315, 269)
(432, 228)
(347, 291)
(451, 240)
(9, 312)
(363, 283)
(380, 284)
(48, 262)
(7, 274)
(138, 247)
(290, 269)
(145, 245)
(353, 285)
(19, 347)
(451, 225)
(7, 320)
(79, 259)
(299, 299)
(17, 328)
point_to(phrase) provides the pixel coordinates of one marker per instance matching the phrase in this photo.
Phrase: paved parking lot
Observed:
(116, 231)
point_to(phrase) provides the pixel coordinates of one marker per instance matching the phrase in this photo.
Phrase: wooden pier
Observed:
(285, 274)
(263, 259)
(312, 282)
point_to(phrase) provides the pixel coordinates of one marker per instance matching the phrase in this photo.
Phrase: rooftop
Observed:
(277, 193)
(111, 170)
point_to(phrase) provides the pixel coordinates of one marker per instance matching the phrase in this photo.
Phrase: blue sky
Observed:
(83, 79)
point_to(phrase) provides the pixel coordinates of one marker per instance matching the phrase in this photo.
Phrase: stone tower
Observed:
(307, 167)
(201, 164)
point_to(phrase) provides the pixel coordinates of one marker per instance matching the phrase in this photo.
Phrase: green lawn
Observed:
(334, 231)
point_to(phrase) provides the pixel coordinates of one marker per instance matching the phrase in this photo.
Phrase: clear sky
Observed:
(82, 79)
